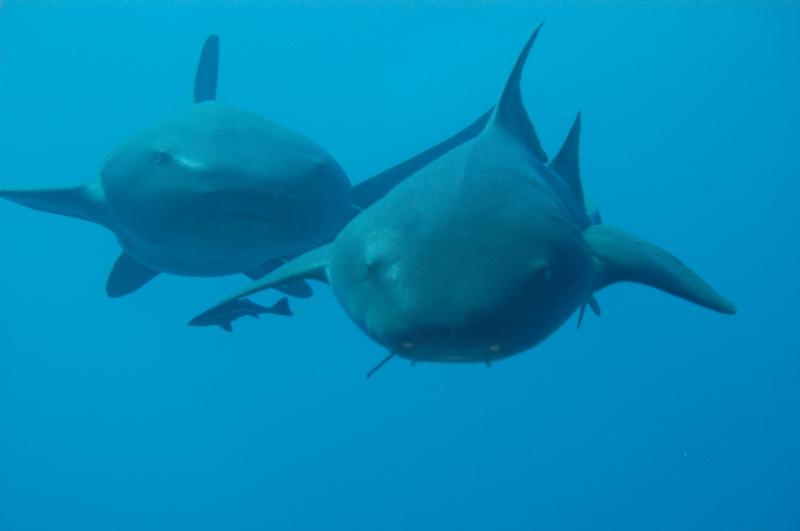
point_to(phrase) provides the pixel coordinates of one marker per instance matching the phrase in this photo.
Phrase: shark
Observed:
(216, 190)
(486, 251)
(212, 190)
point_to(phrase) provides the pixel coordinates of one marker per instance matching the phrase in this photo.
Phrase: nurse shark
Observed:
(486, 251)
(215, 190)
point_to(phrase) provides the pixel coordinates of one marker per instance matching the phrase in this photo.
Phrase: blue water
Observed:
(659, 415)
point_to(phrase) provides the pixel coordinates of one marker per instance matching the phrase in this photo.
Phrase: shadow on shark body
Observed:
(215, 190)
(486, 251)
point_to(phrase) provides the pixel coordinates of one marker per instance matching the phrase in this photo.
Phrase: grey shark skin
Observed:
(224, 316)
(213, 190)
(486, 251)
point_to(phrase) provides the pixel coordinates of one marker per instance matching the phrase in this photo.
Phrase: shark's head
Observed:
(216, 181)
(455, 285)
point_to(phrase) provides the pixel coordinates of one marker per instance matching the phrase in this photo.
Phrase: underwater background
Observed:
(659, 415)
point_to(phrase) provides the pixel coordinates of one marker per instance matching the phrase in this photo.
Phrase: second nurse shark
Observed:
(216, 190)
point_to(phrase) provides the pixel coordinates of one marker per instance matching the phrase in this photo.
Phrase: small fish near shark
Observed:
(224, 315)
(486, 251)
(215, 190)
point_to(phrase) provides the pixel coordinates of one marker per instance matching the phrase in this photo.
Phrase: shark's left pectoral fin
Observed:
(205, 80)
(127, 276)
(621, 257)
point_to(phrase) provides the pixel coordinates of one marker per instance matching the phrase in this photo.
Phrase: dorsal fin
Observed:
(281, 307)
(566, 163)
(205, 80)
(510, 112)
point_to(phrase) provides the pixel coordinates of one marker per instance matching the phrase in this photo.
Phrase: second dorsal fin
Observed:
(510, 112)
(566, 163)
(205, 80)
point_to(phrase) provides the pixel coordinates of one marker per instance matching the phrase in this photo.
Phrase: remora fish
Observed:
(224, 315)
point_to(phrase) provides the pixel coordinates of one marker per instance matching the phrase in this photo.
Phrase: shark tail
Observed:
(82, 202)
(621, 257)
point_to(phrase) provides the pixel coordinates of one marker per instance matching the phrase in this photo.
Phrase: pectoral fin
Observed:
(83, 202)
(620, 257)
(293, 288)
(127, 276)
(312, 265)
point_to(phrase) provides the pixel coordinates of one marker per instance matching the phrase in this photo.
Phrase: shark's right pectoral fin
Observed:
(127, 276)
(294, 288)
(83, 202)
(312, 265)
(621, 257)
